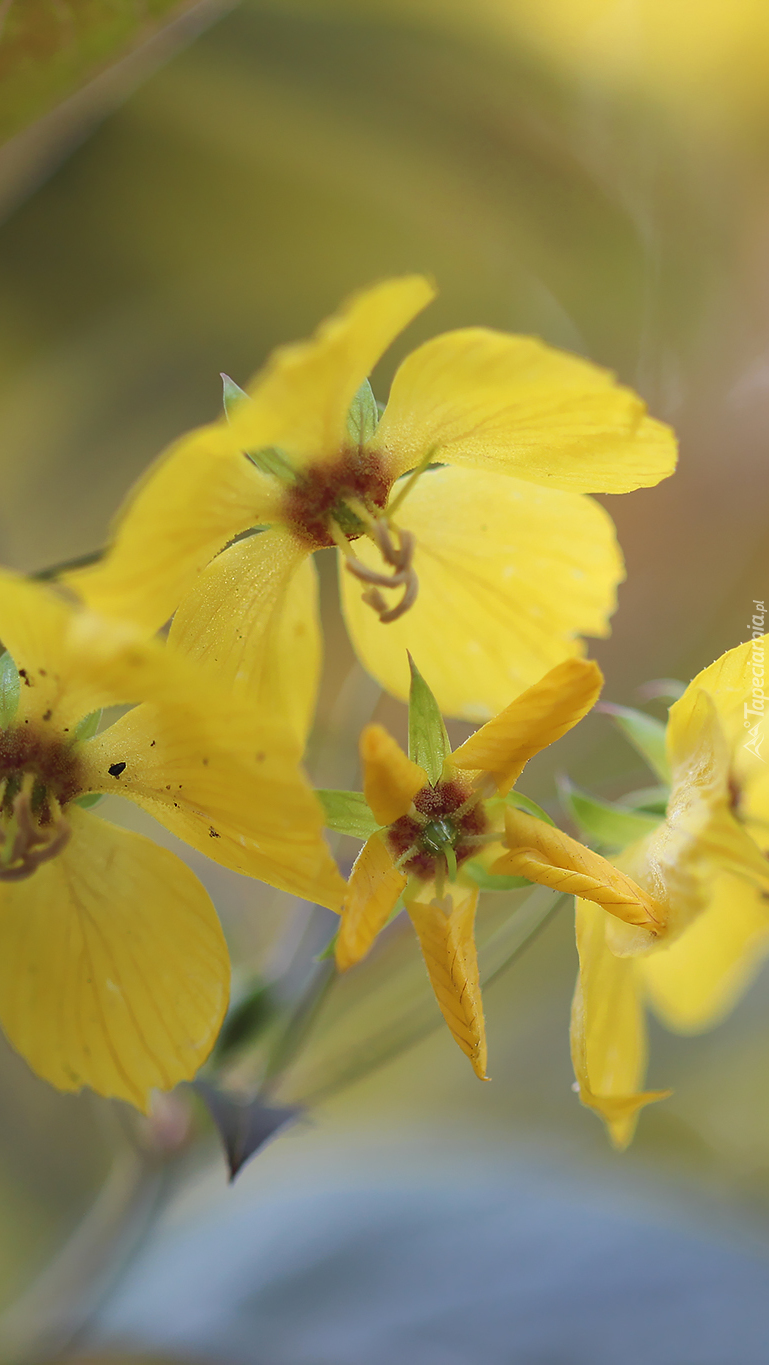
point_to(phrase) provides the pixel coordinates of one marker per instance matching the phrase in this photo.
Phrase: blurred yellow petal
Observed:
(695, 981)
(114, 971)
(390, 779)
(535, 719)
(512, 405)
(729, 684)
(374, 887)
(202, 776)
(447, 939)
(301, 399)
(201, 493)
(546, 855)
(608, 1030)
(253, 617)
(509, 576)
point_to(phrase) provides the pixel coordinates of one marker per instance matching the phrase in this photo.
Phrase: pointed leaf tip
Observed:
(243, 1126)
(646, 734)
(428, 742)
(232, 394)
(363, 415)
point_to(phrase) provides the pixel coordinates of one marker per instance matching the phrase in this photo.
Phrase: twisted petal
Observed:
(695, 981)
(608, 1030)
(114, 971)
(301, 399)
(509, 576)
(390, 779)
(374, 887)
(200, 773)
(446, 937)
(546, 855)
(537, 718)
(253, 616)
(512, 405)
(200, 493)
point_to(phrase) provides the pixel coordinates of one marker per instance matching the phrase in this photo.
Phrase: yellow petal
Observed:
(72, 662)
(509, 576)
(200, 493)
(114, 971)
(535, 719)
(608, 1030)
(200, 773)
(301, 399)
(253, 617)
(546, 855)
(513, 405)
(390, 779)
(695, 981)
(729, 684)
(374, 887)
(447, 939)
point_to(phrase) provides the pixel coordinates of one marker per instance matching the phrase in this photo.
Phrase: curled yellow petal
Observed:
(390, 779)
(546, 855)
(537, 718)
(446, 937)
(301, 398)
(510, 576)
(200, 493)
(373, 890)
(513, 405)
(114, 972)
(608, 1030)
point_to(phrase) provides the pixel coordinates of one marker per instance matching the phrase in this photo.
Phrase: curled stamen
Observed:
(31, 844)
(400, 557)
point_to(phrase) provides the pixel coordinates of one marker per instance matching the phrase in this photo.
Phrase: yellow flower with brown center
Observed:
(114, 972)
(460, 515)
(430, 814)
(706, 864)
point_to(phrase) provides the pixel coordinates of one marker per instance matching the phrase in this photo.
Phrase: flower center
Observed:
(443, 832)
(325, 496)
(38, 775)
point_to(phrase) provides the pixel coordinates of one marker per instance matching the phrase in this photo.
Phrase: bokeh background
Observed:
(591, 171)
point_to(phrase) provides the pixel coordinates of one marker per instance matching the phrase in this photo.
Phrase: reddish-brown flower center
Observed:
(321, 495)
(445, 815)
(55, 766)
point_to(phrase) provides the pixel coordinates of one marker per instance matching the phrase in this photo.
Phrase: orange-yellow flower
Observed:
(459, 516)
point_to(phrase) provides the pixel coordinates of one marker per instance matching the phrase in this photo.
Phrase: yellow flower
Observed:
(429, 818)
(113, 969)
(488, 566)
(706, 865)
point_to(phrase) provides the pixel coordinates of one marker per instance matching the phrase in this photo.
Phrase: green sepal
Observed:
(348, 813)
(645, 733)
(603, 821)
(654, 800)
(428, 742)
(232, 394)
(329, 950)
(363, 416)
(87, 727)
(10, 688)
(90, 800)
(488, 881)
(522, 802)
(272, 461)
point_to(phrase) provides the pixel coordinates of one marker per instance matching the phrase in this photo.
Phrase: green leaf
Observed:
(522, 802)
(272, 461)
(232, 394)
(10, 687)
(488, 881)
(90, 800)
(428, 742)
(348, 813)
(247, 1017)
(645, 733)
(87, 727)
(651, 799)
(363, 416)
(604, 821)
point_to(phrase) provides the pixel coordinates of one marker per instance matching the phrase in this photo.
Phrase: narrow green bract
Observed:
(9, 690)
(347, 813)
(428, 742)
(603, 821)
(363, 416)
(646, 734)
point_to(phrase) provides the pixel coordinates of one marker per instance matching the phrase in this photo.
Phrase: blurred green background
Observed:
(559, 172)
